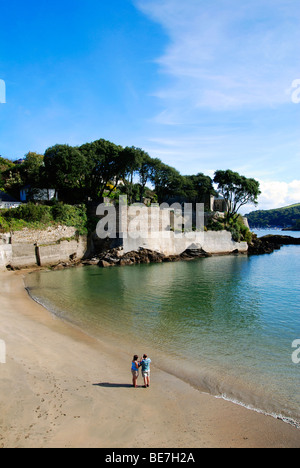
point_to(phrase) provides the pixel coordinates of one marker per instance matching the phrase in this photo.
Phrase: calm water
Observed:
(224, 324)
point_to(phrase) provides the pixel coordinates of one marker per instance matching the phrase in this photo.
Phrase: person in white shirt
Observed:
(145, 364)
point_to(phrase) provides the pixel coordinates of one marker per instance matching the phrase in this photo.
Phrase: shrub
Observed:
(39, 216)
(236, 226)
(32, 213)
(215, 226)
(71, 215)
(239, 231)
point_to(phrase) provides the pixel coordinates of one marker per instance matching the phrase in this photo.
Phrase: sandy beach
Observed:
(61, 388)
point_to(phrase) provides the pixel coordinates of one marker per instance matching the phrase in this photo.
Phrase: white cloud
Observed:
(227, 54)
(277, 195)
(225, 90)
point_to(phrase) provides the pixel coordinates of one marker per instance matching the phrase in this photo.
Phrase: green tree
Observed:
(283, 217)
(147, 170)
(65, 169)
(297, 225)
(131, 158)
(31, 169)
(237, 190)
(12, 181)
(168, 182)
(103, 166)
(198, 188)
(17, 176)
(5, 166)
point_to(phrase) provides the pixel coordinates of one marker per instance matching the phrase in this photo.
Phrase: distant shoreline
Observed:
(280, 229)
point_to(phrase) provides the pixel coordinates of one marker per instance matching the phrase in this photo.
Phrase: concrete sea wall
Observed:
(30, 247)
(160, 230)
(153, 229)
(175, 244)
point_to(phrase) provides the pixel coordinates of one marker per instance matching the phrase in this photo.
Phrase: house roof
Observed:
(6, 197)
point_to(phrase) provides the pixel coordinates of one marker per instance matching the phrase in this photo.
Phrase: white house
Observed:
(8, 202)
(28, 193)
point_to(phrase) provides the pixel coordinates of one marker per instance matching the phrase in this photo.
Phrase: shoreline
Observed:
(202, 388)
(61, 388)
(179, 371)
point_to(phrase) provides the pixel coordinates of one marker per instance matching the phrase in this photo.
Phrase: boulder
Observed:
(125, 262)
(144, 256)
(104, 264)
(267, 244)
(191, 253)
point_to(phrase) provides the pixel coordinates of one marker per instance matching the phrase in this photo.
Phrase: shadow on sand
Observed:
(112, 385)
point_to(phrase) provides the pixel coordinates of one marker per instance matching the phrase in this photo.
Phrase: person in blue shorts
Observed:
(145, 364)
(135, 370)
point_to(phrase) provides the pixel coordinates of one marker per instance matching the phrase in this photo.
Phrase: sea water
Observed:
(224, 324)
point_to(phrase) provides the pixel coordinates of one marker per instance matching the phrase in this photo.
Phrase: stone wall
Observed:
(44, 236)
(51, 246)
(63, 252)
(173, 244)
(159, 230)
(29, 247)
(5, 256)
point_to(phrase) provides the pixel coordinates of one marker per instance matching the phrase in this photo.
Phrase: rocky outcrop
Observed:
(268, 244)
(282, 240)
(142, 256)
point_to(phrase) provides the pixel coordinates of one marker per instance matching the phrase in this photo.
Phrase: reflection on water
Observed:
(225, 324)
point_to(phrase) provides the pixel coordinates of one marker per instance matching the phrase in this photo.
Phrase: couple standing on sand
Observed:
(144, 363)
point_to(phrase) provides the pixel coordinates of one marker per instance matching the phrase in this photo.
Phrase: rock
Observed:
(262, 246)
(267, 244)
(155, 257)
(191, 253)
(104, 264)
(58, 267)
(110, 259)
(281, 240)
(174, 258)
(143, 256)
(92, 261)
(125, 262)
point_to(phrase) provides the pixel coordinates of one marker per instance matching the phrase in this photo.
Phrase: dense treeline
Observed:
(101, 168)
(282, 217)
(87, 172)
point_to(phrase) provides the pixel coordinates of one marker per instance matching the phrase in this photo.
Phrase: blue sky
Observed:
(203, 85)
